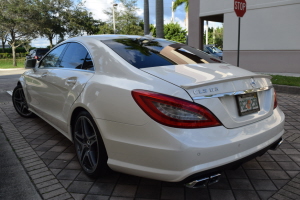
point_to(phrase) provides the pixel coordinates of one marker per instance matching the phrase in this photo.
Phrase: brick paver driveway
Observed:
(49, 158)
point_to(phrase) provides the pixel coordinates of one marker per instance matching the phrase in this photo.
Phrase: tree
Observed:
(52, 18)
(3, 38)
(126, 19)
(16, 19)
(146, 17)
(178, 3)
(79, 21)
(215, 37)
(26, 45)
(160, 18)
(174, 32)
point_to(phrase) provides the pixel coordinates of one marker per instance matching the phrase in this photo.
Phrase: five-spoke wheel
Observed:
(20, 103)
(89, 146)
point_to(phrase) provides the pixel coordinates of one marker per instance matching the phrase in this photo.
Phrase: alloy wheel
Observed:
(86, 144)
(20, 102)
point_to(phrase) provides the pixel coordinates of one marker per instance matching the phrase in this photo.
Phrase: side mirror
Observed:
(30, 64)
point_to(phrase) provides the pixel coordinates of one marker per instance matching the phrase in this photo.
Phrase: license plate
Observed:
(247, 103)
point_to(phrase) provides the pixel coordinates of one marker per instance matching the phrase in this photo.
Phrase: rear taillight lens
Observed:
(275, 100)
(35, 57)
(174, 112)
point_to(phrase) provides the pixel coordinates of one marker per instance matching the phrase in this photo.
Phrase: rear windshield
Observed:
(143, 53)
(42, 51)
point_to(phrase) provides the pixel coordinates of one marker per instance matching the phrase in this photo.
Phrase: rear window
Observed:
(42, 51)
(143, 53)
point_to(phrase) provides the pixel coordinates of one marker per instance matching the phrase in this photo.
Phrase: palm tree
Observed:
(146, 17)
(179, 3)
(160, 18)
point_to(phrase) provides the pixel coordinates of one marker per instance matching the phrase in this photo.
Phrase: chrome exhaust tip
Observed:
(200, 183)
(275, 147)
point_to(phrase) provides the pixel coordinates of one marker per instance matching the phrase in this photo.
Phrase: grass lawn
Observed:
(285, 80)
(8, 63)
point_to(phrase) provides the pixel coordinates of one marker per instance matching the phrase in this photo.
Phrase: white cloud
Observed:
(97, 7)
(41, 42)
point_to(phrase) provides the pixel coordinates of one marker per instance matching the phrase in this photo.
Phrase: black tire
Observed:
(20, 103)
(89, 146)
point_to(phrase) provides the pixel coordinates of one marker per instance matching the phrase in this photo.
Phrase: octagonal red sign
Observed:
(240, 7)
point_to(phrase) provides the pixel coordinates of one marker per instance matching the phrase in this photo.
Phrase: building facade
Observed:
(270, 32)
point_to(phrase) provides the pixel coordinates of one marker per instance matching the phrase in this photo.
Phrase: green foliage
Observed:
(174, 32)
(18, 50)
(152, 29)
(16, 19)
(179, 3)
(9, 55)
(79, 21)
(218, 40)
(126, 19)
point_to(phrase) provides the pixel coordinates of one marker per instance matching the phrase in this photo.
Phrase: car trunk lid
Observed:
(217, 86)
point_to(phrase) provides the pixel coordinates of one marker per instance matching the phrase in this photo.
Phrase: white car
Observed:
(151, 107)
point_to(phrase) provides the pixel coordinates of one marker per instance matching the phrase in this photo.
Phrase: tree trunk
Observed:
(3, 47)
(51, 44)
(13, 48)
(160, 18)
(146, 17)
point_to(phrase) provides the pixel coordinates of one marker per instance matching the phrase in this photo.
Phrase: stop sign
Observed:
(240, 7)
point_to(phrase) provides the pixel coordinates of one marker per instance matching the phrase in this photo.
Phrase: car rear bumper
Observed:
(175, 155)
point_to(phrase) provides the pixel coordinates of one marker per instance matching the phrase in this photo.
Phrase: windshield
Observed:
(214, 49)
(142, 52)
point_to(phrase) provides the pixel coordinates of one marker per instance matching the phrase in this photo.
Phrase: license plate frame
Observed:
(247, 103)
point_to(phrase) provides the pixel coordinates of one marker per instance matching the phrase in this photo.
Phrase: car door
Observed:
(38, 82)
(68, 81)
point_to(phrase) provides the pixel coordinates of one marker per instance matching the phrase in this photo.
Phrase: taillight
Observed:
(275, 100)
(174, 112)
(35, 57)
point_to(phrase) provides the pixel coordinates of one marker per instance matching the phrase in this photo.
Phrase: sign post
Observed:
(240, 7)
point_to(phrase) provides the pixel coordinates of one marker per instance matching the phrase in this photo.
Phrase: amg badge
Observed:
(205, 90)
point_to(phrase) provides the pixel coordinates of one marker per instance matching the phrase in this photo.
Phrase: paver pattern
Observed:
(50, 161)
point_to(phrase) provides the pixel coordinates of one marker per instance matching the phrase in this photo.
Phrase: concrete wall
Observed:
(270, 33)
(270, 39)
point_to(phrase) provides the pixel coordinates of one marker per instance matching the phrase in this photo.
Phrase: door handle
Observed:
(71, 81)
(44, 74)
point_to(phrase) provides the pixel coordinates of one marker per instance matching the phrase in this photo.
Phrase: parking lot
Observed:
(50, 162)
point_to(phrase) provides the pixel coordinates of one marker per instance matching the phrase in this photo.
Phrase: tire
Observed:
(20, 103)
(89, 146)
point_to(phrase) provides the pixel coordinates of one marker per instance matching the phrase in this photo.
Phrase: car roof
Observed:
(103, 37)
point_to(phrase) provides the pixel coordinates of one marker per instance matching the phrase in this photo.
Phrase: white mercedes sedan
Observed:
(151, 107)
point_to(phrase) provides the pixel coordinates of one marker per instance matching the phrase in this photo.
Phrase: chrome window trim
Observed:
(82, 70)
(233, 93)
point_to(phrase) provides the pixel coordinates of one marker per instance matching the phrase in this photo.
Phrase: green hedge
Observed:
(18, 50)
(9, 55)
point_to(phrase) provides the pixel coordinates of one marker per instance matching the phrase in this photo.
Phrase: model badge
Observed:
(205, 90)
(253, 83)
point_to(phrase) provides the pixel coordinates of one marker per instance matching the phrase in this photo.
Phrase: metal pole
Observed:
(238, 53)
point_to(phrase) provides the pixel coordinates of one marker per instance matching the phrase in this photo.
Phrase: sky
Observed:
(97, 7)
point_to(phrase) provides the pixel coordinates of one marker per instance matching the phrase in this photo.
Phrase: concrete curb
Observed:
(287, 89)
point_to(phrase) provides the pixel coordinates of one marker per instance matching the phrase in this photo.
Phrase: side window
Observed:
(74, 56)
(88, 63)
(52, 58)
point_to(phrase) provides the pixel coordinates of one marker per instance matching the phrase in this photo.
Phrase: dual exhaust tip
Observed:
(204, 181)
(215, 178)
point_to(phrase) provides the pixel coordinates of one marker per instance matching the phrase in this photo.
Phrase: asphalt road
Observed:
(14, 181)
(8, 81)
